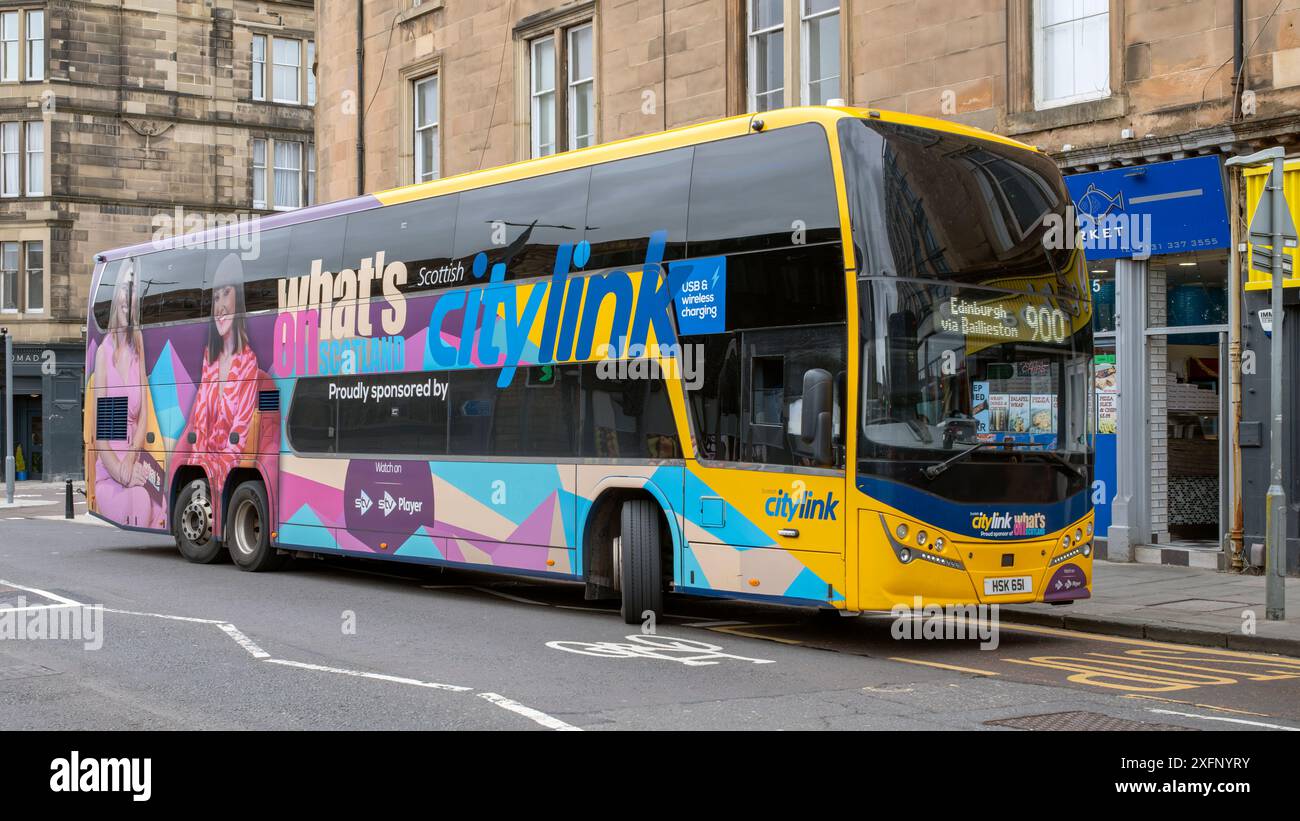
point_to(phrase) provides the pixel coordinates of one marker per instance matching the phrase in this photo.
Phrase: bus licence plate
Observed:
(1008, 585)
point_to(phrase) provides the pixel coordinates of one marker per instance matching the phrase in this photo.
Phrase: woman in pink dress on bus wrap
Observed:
(127, 481)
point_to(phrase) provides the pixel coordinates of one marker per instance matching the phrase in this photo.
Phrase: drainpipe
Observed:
(361, 98)
(1236, 281)
(1238, 55)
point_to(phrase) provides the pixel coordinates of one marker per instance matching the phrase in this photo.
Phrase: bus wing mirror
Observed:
(815, 421)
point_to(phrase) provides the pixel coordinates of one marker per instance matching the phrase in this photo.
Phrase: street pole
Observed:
(1275, 537)
(1275, 499)
(9, 417)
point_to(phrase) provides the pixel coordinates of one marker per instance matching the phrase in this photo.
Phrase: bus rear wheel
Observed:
(640, 571)
(192, 524)
(248, 530)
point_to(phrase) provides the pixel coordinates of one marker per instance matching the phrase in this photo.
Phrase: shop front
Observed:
(1157, 238)
(48, 384)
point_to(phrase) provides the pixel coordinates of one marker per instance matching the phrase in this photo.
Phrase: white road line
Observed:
(244, 641)
(42, 593)
(165, 616)
(549, 722)
(1229, 720)
(320, 668)
(33, 607)
(258, 653)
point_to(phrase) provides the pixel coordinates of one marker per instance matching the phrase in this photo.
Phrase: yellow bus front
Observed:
(971, 450)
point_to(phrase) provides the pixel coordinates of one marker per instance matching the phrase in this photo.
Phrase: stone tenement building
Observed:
(1139, 101)
(113, 115)
(1093, 81)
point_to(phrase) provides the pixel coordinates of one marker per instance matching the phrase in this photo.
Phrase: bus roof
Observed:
(593, 155)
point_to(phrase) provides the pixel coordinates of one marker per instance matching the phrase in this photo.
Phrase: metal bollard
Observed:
(67, 499)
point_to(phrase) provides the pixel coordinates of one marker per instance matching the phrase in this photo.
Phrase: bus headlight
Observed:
(922, 537)
(939, 543)
(901, 531)
(904, 555)
(1087, 550)
(1078, 535)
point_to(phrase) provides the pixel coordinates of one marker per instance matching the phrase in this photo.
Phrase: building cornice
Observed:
(1228, 138)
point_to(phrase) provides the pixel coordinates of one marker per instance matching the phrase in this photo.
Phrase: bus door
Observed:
(763, 488)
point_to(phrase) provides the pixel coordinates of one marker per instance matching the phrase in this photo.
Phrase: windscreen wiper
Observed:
(933, 471)
(1060, 461)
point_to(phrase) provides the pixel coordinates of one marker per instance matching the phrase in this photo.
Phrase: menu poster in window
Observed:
(1106, 383)
(980, 406)
(1040, 413)
(999, 411)
(1020, 413)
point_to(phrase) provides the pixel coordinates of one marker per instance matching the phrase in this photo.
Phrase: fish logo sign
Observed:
(1097, 203)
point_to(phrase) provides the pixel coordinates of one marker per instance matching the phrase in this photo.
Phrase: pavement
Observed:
(1179, 604)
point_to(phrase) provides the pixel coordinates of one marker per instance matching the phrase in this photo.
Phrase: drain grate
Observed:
(1079, 720)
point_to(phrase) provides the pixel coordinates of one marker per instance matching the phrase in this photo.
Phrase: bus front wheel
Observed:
(640, 571)
(192, 524)
(248, 531)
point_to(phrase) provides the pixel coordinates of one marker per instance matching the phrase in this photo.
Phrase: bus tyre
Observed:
(248, 531)
(192, 524)
(640, 572)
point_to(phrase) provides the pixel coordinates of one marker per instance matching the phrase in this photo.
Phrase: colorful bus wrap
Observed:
(830, 358)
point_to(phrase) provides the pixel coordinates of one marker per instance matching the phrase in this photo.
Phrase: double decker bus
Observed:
(830, 357)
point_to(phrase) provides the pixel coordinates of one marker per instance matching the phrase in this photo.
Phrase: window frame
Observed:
(1039, 67)
(25, 46)
(751, 63)
(417, 158)
(27, 155)
(21, 274)
(258, 78)
(535, 97)
(275, 168)
(8, 273)
(805, 70)
(23, 183)
(572, 84)
(555, 31)
(263, 88)
(27, 271)
(267, 169)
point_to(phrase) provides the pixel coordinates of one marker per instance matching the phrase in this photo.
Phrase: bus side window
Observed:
(396, 423)
(262, 256)
(766, 190)
(104, 294)
(627, 418)
(312, 417)
(171, 285)
(317, 240)
(633, 198)
(522, 223)
(419, 233)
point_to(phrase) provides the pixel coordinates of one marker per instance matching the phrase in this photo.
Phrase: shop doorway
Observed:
(1186, 351)
(29, 434)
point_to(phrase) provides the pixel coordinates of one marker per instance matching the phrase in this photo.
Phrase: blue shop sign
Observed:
(1142, 210)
